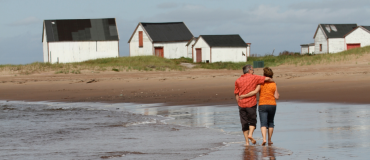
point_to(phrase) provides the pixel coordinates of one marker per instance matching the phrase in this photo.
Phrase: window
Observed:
(320, 47)
(141, 39)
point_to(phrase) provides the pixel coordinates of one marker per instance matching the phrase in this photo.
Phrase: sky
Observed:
(269, 24)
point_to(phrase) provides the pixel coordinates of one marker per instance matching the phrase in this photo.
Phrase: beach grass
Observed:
(153, 63)
(138, 63)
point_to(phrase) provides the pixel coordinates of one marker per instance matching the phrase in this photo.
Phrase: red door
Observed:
(355, 45)
(141, 39)
(158, 51)
(199, 54)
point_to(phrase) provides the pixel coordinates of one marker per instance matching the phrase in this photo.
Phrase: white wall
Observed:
(248, 51)
(45, 47)
(189, 48)
(358, 36)
(311, 49)
(320, 39)
(205, 50)
(81, 51)
(173, 50)
(304, 49)
(336, 45)
(146, 50)
(228, 54)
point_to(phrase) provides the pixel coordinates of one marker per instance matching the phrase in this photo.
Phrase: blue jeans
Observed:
(267, 115)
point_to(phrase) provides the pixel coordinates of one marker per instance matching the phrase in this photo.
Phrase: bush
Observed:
(287, 53)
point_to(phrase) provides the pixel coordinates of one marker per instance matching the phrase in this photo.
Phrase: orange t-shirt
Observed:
(267, 93)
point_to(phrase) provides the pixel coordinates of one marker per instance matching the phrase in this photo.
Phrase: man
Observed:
(248, 106)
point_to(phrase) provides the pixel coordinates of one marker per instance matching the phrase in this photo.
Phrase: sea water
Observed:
(52, 130)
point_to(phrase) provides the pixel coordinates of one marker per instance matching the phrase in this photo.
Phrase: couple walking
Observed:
(246, 88)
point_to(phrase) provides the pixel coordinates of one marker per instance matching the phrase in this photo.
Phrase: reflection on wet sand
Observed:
(259, 152)
(338, 131)
(217, 117)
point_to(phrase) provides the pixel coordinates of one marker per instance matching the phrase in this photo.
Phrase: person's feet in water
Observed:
(264, 142)
(246, 138)
(270, 142)
(252, 139)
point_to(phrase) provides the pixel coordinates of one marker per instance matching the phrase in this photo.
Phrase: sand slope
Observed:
(345, 82)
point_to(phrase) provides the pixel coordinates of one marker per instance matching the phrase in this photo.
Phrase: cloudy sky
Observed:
(267, 24)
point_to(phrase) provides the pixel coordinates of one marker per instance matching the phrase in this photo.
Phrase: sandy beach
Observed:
(199, 104)
(345, 82)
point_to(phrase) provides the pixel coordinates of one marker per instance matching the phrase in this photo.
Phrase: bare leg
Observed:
(250, 136)
(271, 130)
(263, 131)
(246, 137)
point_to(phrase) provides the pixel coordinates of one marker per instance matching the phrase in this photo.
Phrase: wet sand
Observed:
(96, 131)
(302, 130)
(345, 82)
(40, 130)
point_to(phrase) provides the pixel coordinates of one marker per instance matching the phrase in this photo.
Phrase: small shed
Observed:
(329, 38)
(358, 37)
(190, 46)
(220, 48)
(76, 40)
(166, 40)
(308, 48)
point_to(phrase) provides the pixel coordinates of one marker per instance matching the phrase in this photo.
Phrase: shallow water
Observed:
(46, 130)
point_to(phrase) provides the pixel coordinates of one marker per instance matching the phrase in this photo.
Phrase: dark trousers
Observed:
(248, 117)
(267, 115)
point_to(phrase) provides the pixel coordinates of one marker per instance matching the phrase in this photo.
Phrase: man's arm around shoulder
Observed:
(268, 79)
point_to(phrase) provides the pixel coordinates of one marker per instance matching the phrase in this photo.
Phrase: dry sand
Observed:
(345, 82)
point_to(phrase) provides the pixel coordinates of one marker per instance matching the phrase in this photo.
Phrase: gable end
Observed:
(136, 30)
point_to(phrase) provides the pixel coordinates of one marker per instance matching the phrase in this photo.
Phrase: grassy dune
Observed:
(152, 63)
(139, 63)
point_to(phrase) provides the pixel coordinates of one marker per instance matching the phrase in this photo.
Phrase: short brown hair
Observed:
(268, 72)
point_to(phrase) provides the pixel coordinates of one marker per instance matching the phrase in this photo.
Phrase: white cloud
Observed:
(26, 21)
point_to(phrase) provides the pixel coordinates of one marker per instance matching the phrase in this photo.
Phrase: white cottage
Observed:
(359, 37)
(308, 48)
(220, 48)
(76, 40)
(166, 40)
(190, 46)
(329, 38)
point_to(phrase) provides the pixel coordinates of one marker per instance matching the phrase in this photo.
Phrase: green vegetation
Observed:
(139, 63)
(182, 60)
(152, 63)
